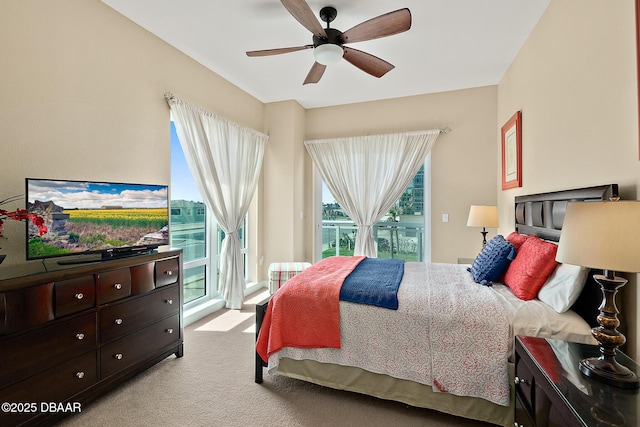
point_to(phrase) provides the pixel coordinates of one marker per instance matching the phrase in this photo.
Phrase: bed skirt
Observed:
(386, 387)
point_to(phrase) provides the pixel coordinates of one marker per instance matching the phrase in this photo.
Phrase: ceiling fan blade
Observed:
(382, 26)
(267, 52)
(366, 62)
(316, 72)
(300, 10)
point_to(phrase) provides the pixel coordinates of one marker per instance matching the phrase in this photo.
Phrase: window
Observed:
(402, 233)
(192, 230)
(189, 232)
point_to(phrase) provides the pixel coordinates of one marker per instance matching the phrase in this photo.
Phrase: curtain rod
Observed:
(168, 96)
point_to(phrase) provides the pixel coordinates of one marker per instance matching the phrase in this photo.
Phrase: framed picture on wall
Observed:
(512, 152)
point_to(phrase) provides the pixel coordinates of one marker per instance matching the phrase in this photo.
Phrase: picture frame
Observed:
(512, 152)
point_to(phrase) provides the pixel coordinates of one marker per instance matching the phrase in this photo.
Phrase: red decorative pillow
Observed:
(516, 239)
(535, 261)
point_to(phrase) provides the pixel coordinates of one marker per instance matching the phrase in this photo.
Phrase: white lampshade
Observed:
(601, 235)
(483, 216)
(328, 54)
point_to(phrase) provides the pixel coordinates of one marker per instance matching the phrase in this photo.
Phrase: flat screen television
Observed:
(84, 217)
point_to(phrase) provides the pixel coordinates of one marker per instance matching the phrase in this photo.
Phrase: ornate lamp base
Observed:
(605, 368)
(609, 372)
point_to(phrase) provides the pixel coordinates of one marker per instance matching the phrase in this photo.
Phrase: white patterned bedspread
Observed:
(448, 332)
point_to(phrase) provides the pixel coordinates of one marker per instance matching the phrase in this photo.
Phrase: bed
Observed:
(473, 381)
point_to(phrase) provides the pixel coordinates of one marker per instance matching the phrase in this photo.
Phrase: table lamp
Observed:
(604, 236)
(483, 216)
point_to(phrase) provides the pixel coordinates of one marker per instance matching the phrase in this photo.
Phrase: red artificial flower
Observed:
(20, 215)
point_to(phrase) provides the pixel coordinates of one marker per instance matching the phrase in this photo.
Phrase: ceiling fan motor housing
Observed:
(333, 37)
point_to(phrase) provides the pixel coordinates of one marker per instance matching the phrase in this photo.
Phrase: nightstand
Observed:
(551, 390)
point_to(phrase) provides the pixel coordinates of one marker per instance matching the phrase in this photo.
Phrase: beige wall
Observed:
(462, 162)
(284, 215)
(575, 83)
(82, 98)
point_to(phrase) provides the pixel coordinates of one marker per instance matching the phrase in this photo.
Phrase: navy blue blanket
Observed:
(375, 281)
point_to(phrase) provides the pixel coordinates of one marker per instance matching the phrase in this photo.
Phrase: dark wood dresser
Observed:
(551, 390)
(68, 336)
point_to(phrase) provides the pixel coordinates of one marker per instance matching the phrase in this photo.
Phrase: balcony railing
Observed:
(401, 240)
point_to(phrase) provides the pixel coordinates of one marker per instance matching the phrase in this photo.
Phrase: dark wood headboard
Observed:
(542, 215)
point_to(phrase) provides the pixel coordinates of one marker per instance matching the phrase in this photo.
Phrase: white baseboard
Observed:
(196, 313)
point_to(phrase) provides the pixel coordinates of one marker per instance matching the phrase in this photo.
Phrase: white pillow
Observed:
(563, 286)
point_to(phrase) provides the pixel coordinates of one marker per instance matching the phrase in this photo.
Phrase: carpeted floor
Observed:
(213, 385)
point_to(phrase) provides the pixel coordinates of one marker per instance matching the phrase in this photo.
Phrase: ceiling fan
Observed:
(328, 43)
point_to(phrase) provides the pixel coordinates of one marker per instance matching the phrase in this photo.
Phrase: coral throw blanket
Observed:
(309, 307)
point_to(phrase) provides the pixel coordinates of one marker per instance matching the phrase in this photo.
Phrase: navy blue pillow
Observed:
(492, 261)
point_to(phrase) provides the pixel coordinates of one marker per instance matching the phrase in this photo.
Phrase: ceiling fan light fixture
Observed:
(328, 53)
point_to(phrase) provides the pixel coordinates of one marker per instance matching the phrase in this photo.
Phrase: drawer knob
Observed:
(79, 295)
(170, 330)
(118, 356)
(169, 301)
(80, 375)
(80, 336)
(118, 286)
(519, 380)
(118, 321)
(169, 273)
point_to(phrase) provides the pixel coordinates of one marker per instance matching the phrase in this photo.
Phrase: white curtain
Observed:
(225, 160)
(368, 174)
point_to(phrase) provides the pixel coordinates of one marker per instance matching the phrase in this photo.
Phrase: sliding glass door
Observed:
(403, 233)
(194, 230)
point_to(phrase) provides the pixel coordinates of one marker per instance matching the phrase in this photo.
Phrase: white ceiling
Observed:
(452, 44)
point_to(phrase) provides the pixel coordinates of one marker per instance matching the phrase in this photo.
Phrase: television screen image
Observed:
(89, 217)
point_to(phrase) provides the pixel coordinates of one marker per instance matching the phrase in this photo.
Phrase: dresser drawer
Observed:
(26, 308)
(121, 319)
(139, 346)
(74, 295)
(525, 384)
(549, 412)
(522, 417)
(142, 278)
(114, 285)
(53, 385)
(167, 272)
(36, 351)
(3, 312)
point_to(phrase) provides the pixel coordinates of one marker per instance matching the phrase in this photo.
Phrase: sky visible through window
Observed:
(326, 195)
(183, 186)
